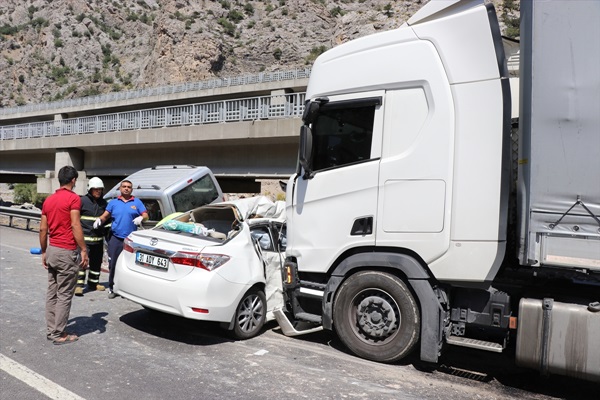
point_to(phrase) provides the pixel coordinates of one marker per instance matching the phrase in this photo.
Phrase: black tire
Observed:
(376, 316)
(250, 315)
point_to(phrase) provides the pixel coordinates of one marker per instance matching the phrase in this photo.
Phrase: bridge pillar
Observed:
(70, 156)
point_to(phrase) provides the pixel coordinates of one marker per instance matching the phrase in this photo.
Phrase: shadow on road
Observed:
(179, 329)
(476, 366)
(487, 367)
(85, 325)
(463, 363)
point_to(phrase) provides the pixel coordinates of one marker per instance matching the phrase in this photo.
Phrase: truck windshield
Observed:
(342, 134)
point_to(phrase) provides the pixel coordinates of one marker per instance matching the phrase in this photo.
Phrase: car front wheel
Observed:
(250, 315)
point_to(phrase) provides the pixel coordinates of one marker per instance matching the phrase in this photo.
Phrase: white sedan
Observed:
(219, 262)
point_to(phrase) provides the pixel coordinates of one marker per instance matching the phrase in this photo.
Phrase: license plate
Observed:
(148, 259)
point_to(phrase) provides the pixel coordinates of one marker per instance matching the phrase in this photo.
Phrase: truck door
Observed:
(415, 180)
(334, 209)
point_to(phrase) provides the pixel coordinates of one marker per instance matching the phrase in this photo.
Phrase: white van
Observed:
(165, 189)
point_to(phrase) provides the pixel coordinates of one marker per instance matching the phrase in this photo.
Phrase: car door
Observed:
(267, 238)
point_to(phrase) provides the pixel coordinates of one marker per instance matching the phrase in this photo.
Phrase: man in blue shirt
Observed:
(127, 213)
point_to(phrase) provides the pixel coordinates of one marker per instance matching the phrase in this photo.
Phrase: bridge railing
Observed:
(247, 109)
(299, 73)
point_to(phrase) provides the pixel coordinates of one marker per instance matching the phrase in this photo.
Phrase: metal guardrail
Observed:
(21, 213)
(263, 77)
(247, 109)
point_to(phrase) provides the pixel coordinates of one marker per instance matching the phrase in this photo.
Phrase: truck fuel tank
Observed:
(561, 338)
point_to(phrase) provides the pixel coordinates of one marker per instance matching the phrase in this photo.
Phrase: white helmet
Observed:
(95, 183)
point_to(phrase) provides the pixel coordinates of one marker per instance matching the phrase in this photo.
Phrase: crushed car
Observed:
(219, 262)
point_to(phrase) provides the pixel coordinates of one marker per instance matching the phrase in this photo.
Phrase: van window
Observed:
(199, 193)
(153, 209)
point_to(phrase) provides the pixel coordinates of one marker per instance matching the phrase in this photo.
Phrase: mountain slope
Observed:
(50, 50)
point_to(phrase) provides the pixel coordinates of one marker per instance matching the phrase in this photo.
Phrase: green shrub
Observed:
(228, 27)
(40, 22)
(27, 193)
(388, 10)
(277, 53)
(512, 26)
(8, 30)
(314, 53)
(336, 11)
(235, 16)
(31, 10)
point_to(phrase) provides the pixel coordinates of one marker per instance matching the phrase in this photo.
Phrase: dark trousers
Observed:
(95, 253)
(115, 247)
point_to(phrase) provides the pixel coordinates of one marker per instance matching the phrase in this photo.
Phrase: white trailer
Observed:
(409, 228)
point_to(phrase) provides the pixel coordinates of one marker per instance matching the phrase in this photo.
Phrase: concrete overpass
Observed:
(242, 132)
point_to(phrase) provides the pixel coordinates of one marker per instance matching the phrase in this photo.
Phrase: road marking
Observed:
(15, 248)
(36, 381)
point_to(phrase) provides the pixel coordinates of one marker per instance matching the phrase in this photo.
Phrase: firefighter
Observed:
(92, 206)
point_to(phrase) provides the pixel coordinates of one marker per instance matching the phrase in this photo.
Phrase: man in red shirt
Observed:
(61, 224)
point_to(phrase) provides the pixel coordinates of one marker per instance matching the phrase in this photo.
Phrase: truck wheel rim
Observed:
(376, 316)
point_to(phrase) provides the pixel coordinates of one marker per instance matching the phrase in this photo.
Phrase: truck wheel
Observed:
(376, 316)
(250, 315)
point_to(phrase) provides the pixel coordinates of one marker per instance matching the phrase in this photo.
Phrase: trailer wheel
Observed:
(376, 316)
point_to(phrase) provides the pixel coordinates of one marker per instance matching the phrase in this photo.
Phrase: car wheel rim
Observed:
(251, 313)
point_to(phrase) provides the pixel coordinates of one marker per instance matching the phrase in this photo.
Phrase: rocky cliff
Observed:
(57, 49)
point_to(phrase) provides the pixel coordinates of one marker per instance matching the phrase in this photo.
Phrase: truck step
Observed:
(290, 329)
(474, 344)
(309, 317)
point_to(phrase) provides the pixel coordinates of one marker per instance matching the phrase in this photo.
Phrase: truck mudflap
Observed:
(559, 338)
(296, 329)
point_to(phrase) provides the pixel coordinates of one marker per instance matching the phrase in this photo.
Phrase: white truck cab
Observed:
(406, 226)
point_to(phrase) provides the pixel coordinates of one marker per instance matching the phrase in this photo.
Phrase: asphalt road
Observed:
(126, 352)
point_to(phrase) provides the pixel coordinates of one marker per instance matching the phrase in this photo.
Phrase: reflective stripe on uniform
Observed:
(93, 239)
(81, 277)
(93, 277)
(88, 218)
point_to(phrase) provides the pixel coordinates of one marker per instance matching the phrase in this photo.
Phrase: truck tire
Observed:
(250, 315)
(376, 316)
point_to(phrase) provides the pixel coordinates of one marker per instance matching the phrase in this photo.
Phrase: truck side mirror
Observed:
(311, 109)
(305, 149)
